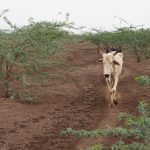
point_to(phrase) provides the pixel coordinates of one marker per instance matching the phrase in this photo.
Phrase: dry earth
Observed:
(78, 100)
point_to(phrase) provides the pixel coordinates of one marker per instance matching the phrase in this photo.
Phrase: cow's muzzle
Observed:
(106, 75)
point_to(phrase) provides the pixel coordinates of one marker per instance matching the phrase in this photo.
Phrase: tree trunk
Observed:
(137, 55)
(6, 88)
(138, 58)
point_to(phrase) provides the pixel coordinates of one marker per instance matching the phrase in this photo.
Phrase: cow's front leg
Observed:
(111, 99)
(108, 84)
(112, 82)
(115, 83)
(113, 90)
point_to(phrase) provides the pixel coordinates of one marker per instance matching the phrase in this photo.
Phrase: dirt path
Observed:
(108, 119)
(130, 95)
(80, 102)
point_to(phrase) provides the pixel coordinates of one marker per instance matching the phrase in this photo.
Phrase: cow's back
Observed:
(119, 58)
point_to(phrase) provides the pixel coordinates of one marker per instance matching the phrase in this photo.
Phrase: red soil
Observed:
(78, 101)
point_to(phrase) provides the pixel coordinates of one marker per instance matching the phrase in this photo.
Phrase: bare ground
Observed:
(78, 100)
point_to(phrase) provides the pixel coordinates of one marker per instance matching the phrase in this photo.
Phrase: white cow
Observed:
(112, 66)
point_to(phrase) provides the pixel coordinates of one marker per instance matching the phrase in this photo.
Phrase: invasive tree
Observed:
(24, 50)
(133, 39)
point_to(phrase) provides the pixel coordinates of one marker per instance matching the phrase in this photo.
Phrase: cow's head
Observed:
(108, 63)
(109, 48)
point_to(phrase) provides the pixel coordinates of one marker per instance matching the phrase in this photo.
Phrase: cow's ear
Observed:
(100, 60)
(115, 62)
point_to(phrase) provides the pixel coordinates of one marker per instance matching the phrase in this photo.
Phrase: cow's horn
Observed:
(116, 52)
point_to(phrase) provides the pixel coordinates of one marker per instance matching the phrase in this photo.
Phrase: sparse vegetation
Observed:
(135, 128)
(142, 80)
(24, 50)
(133, 134)
(132, 39)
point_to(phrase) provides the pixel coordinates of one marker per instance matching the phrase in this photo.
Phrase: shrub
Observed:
(142, 80)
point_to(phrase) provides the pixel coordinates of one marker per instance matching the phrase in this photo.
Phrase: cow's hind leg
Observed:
(109, 84)
(115, 101)
(112, 98)
(115, 96)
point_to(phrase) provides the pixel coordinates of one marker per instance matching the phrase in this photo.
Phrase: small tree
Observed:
(136, 38)
(23, 50)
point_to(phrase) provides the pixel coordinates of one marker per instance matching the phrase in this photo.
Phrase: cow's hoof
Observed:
(115, 102)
